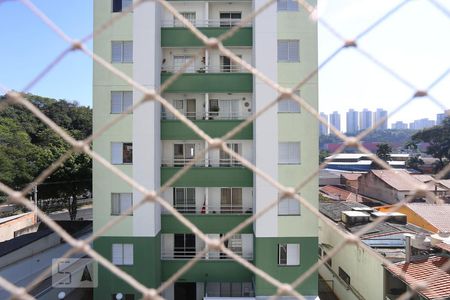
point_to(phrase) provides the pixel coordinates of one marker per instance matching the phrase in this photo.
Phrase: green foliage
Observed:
(323, 154)
(384, 151)
(438, 138)
(28, 146)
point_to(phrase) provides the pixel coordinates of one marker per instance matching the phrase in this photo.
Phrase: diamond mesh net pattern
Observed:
(154, 196)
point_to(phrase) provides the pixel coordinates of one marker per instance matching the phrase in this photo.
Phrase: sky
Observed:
(414, 42)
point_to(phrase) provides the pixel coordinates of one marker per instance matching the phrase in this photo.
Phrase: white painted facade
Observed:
(146, 119)
(265, 126)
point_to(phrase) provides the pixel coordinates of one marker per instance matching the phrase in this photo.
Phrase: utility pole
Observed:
(35, 197)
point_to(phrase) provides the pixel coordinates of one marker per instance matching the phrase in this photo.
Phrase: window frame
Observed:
(122, 162)
(289, 213)
(344, 276)
(290, 109)
(122, 254)
(121, 6)
(289, 160)
(122, 52)
(120, 211)
(287, 8)
(289, 51)
(123, 108)
(286, 246)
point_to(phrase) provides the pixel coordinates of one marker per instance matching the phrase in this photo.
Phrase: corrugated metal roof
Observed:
(400, 180)
(351, 176)
(427, 270)
(423, 177)
(435, 214)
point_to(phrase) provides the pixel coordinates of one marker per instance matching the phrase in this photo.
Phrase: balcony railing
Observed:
(235, 209)
(201, 68)
(204, 23)
(188, 253)
(207, 163)
(212, 115)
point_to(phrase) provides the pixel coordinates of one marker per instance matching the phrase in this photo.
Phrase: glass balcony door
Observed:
(226, 160)
(180, 60)
(229, 19)
(191, 16)
(182, 153)
(230, 200)
(184, 245)
(184, 200)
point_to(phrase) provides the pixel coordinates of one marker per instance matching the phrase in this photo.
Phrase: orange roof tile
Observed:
(427, 270)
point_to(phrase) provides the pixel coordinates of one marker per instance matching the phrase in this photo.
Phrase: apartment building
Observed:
(150, 145)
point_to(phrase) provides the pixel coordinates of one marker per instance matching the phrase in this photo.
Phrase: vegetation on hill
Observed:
(28, 146)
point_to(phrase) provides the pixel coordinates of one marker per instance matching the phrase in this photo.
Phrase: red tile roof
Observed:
(435, 214)
(427, 270)
(443, 246)
(338, 193)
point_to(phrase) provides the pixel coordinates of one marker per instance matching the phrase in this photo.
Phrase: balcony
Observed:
(214, 200)
(185, 246)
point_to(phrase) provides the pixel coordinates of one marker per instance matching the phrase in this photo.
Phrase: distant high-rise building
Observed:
(352, 121)
(378, 115)
(399, 125)
(323, 129)
(421, 124)
(365, 119)
(335, 120)
(440, 117)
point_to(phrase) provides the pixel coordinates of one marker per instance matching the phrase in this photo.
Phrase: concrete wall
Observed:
(371, 186)
(362, 265)
(15, 223)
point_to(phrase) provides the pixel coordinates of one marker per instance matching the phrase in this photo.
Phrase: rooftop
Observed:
(400, 180)
(435, 214)
(338, 193)
(427, 270)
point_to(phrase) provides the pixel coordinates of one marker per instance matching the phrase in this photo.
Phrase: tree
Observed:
(414, 162)
(384, 152)
(323, 154)
(438, 138)
(28, 146)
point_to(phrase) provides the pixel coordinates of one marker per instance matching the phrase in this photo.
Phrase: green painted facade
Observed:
(266, 258)
(204, 271)
(183, 37)
(210, 177)
(210, 83)
(177, 130)
(211, 223)
(146, 268)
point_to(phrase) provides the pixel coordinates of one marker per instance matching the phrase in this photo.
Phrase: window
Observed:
(121, 101)
(344, 276)
(289, 153)
(289, 105)
(122, 153)
(122, 254)
(288, 207)
(228, 19)
(182, 153)
(122, 51)
(230, 200)
(288, 51)
(229, 66)
(227, 160)
(329, 262)
(184, 245)
(229, 109)
(287, 5)
(120, 203)
(180, 60)
(184, 200)
(289, 254)
(121, 5)
(229, 289)
(190, 16)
